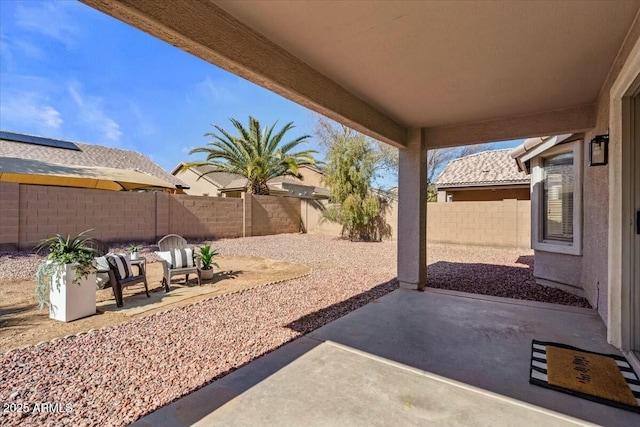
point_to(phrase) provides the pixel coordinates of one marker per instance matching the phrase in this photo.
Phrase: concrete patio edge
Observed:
(515, 301)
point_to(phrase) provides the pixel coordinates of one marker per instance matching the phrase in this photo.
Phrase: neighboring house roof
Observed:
(62, 152)
(241, 184)
(494, 167)
(387, 195)
(287, 180)
(219, 179)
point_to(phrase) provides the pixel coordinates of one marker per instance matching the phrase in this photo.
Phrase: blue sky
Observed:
(68, 71)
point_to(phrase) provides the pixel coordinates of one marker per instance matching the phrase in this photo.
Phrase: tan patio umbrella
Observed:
(27, 171)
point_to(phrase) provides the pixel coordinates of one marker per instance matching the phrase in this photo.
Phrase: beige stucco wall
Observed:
(560, 268)
(591, 269)
(486, 195)
(310, 177)
(197, 187)
(596, 195)
(30, 213)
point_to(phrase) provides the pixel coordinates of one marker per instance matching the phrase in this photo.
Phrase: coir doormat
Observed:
(602, 378)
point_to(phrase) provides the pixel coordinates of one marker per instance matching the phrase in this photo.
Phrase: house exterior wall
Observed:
(559, 268)
(310, 177)
(197, 187)
(591, 269)
(485, 195)
(30, 213)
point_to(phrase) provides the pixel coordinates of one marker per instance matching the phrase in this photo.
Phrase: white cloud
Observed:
(187, 149)
(215, 91)
(52, 19)
(27, 48)
(29, 112)
(145, 126)
(5, 50)
(90, 112)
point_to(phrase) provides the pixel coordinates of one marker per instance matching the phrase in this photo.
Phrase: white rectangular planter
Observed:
(70, 301)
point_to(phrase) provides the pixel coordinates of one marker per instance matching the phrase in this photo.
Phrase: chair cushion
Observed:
(178, 258)
(102, 279)
(121, 265)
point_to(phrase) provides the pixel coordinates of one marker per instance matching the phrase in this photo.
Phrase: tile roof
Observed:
(220, 179)
(89, 155)
(494, 167)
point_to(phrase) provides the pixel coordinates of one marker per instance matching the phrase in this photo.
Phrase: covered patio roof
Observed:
(423, 75)
(467, 72)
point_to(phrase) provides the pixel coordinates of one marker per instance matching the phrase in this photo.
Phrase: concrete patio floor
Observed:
(410, 358)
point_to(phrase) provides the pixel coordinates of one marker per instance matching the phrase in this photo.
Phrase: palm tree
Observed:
(257, 154)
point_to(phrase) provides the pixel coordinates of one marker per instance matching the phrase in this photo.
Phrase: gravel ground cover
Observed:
(115, 375)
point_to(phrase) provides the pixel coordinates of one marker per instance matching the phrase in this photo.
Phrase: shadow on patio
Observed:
(435, 356)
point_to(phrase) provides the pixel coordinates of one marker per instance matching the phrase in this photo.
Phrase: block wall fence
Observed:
(29, 213)
(504, 223)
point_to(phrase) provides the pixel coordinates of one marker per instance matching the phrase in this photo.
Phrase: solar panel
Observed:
(38, 140)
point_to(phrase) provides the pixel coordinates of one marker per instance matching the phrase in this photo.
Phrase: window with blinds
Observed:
(558, 187)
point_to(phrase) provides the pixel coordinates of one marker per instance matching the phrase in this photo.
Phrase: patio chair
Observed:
(119, 272)
(174, 262)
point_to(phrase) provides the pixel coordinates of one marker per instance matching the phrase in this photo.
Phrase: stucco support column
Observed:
(412, 212)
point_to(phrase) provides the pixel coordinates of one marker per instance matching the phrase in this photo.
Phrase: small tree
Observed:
(351, 166)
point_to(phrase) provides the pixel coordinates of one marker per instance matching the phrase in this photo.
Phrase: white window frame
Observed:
(537, 204)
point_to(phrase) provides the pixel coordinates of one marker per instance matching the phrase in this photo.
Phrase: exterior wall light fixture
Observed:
(599, 150)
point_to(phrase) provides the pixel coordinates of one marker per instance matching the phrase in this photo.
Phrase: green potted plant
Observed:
(206, 255)
(68, 274)
(134, 250)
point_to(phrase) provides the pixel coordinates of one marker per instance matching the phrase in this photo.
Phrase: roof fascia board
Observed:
(210, 33)
(461, 187)
(544, 146)
(178, 168)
